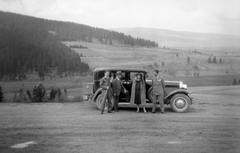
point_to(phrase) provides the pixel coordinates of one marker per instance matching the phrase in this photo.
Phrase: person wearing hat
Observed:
(158, 91)
(117, 87)
(105, 84)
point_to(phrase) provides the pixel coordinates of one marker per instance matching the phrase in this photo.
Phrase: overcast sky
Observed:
(209, 16)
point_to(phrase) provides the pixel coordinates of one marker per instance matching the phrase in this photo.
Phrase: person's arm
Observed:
(114, 87)
(125, 91)
(163, 83)
(101, 83)
(152, 82)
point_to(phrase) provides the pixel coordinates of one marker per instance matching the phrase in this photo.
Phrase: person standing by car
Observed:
(105, 84)
(117, 87)
(158, 91)
(138, 92)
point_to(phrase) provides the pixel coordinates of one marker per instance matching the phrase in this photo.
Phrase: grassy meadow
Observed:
(72, 84)
(176, 67)
(175, 60)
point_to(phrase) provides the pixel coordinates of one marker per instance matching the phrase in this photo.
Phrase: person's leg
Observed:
(144, 109)
(109, 102)
(137, 108)
(103, 101)
(154, 103)
(161, 101)
(116, 98)
(114, 103)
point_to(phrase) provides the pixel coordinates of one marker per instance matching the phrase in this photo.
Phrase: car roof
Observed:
(119, 69)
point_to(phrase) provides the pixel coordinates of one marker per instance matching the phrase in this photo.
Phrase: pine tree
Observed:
(59, 93)
(209, 59)
(1, 94)
(188, 59)
(214, 60)
(235, 81)
(65, 91)
(52, 94)
(38, 93)
(29, 95)
(220, 61)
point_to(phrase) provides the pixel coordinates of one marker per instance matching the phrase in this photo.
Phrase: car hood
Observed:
(167, 83)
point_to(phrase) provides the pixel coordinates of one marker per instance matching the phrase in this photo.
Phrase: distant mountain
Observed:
(34, 44)
(185, 40)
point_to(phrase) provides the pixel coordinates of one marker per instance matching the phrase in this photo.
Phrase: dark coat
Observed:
(143, 93)
(117, 87)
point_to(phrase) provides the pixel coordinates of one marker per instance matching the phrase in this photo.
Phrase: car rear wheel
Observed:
(99, 102)
(180, 103)
(150, 94)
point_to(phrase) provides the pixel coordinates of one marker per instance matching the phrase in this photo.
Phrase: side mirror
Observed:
(146, 76)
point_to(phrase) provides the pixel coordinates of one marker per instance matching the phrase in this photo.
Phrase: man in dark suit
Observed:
(117, 87)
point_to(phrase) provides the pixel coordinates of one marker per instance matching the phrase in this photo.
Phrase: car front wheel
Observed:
(99, 102)
(180, 103)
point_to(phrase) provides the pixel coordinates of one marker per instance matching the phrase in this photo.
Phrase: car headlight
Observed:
(182, 86)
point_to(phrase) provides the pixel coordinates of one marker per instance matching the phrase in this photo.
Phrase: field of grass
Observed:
(72, 84)
(175, 66)
(219, 80)
(99, 55)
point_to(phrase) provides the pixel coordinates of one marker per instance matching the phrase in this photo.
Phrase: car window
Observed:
(112, 74)
(133, 75)
(101, 74)
(123, 76)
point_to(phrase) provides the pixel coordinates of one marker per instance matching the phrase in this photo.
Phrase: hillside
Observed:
(29, 44)
(185, 40)
(171, 62)
(68, 31)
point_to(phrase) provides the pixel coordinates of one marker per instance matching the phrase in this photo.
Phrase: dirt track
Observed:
(211, 125)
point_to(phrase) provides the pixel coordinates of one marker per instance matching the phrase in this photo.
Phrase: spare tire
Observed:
(99, 102)
(150, 94)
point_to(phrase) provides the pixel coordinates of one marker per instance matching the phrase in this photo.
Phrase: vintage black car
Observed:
(176, 93)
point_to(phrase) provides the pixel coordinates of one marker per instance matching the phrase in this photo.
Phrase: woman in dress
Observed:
(138, 94)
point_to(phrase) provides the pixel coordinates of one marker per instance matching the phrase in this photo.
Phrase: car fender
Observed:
(96, 94)
(183, 91)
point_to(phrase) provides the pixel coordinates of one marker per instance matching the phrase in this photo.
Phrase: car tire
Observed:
(180, 103)
(99, 102)
(150, 94)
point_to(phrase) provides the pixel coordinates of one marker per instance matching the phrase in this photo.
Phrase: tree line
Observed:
(40, 94)
(68, 31)
(26, 47)
(30, 44)
(24, 50)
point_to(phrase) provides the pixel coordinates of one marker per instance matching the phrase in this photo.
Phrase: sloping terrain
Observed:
(185, 40)
(174, 60)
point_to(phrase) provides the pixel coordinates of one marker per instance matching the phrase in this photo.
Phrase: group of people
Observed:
(112, 88)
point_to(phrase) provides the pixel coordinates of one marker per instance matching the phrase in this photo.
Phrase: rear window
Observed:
(100, 74)
(133, 75)
(126, 75)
